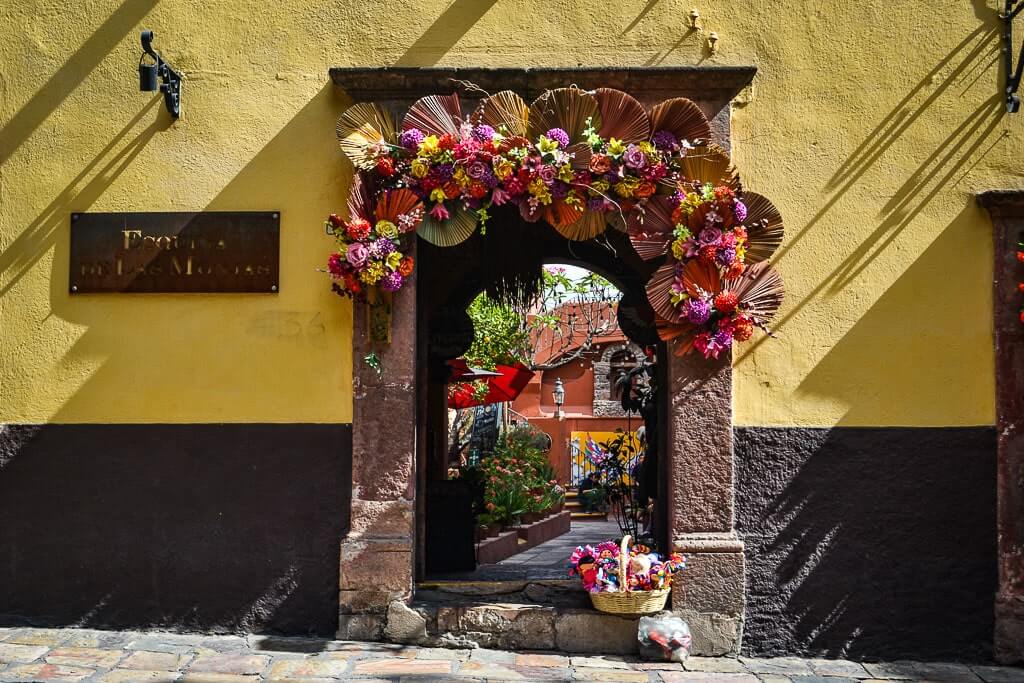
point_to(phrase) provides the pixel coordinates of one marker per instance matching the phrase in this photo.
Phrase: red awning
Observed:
(506, 386)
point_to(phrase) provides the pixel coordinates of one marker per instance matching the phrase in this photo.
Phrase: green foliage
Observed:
(518, 479)
(499, 335)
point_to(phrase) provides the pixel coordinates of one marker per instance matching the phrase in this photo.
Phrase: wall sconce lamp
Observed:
(559, 395)
(1013, 75)
(694, 16)
(151, 71)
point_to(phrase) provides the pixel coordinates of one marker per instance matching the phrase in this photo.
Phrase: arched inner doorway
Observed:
(503, 262)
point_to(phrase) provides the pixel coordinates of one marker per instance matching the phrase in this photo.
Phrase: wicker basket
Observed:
(627, 601)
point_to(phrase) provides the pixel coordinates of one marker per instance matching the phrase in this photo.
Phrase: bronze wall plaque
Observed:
(211, 251)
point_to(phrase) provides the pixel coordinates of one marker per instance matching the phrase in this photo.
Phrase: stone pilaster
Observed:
(1007, 211)
(376, 565)
(700, 501)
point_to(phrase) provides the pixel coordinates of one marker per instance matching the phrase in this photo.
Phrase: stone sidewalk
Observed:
(122, 657)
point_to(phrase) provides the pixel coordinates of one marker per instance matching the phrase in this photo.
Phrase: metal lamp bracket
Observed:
(1013, 74)
(170, 79)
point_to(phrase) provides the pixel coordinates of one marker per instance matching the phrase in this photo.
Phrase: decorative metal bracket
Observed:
(1013, 74)
(148, 73)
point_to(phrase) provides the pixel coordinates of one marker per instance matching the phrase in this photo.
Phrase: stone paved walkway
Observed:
(127, 657)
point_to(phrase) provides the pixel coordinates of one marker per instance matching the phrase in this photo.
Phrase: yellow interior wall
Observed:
(870, 124)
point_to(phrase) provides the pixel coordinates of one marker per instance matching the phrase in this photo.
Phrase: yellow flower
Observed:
(616, 147)
(420, 168)
(394, 259)
(459, 174)
(387, 229)
(646, 147)
(600, 185)
(428, 146)
(625, 187)
(545, 144)
(437, 195)
(539, 190)
(678, 252)
(503, 168)
(565, 174)
(373, 273)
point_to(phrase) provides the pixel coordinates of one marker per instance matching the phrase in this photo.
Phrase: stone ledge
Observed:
(716, 83)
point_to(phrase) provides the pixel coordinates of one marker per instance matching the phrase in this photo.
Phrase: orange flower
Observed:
(405, 266)
(600, 164)
(645, 189)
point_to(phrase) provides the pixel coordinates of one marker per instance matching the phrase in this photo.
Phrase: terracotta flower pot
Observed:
(493, 529)
(481, 533)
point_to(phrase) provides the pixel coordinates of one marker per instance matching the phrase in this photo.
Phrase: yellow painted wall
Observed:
(871, 124)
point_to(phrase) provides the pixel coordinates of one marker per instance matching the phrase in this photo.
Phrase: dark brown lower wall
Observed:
(869, 543)
(232, 527)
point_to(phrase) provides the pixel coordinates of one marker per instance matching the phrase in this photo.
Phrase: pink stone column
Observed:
(1007, 211)
(700, 501)
(377, 555)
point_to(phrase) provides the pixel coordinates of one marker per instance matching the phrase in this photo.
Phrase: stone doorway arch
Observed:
(379, 556)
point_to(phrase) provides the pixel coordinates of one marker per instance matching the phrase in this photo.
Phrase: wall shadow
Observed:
(222, 528)
(903, 353)
(457, 19)
(80, 194)
(207, 527)
(868, 543)
(78, 66)
(874, 542)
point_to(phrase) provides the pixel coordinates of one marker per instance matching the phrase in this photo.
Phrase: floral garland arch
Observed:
(581, 161)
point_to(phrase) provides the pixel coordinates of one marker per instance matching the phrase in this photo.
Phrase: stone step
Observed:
(590, 516)
(516, 626)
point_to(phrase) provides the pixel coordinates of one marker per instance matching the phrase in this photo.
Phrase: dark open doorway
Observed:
(512, 252)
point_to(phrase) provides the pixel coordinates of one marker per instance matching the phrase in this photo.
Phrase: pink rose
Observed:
(635, 158)
(710, 235)
(357, 254)
(477, 170)
(547, 174)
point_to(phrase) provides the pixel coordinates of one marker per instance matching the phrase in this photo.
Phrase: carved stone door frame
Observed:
(377, 564)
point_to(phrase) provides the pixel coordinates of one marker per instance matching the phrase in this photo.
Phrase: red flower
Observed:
(726, 301)
(708, 253)
(1020, 256)
(735, 269)
(477, 190)
(447, 141)
(335, 220)
(385, 166)
(452, 189)
(1020, 286)
(743, 329)
(358, 229)
(1022, 316)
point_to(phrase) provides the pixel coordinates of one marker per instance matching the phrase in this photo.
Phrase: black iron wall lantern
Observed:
(157, 69)
(1013, 75)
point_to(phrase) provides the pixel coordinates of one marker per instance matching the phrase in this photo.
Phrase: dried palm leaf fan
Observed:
(764, 227)
(696, 277)
(589, 225)
(682, 118)
(565, 108)
(361, 196)
(505, 112)
(396, 203)
(361, 127)
(622, 117)
(710, 164)
(760, 291)
(435, 115)
(650, 231)
(448, 233)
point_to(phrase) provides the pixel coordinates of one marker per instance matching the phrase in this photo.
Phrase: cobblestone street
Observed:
(122, 657)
